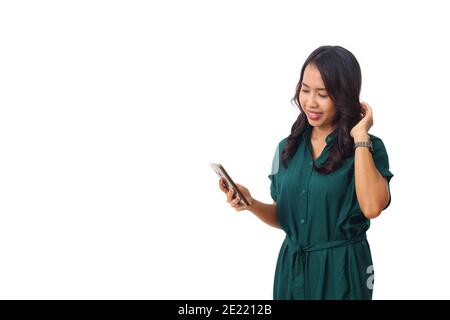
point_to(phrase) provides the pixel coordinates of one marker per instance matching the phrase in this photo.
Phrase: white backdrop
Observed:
(112, 110)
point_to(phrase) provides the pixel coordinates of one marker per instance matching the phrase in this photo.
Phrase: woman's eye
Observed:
(306, 91)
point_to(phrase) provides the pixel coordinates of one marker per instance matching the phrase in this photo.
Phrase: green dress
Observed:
(325, 254)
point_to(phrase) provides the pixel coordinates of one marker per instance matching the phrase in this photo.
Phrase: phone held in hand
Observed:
(222, 173)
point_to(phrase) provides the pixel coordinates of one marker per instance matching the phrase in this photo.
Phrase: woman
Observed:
(334, 177)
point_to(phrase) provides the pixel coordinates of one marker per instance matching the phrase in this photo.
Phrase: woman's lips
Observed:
(314, 115)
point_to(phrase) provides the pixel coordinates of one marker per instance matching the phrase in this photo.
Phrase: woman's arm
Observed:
(266, 212)
(372, 189)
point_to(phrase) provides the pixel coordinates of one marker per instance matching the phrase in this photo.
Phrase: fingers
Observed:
(230, 194)
(222, 185)
(235, 204)
(365, 106)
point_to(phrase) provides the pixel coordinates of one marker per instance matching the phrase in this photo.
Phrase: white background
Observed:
(112, 110)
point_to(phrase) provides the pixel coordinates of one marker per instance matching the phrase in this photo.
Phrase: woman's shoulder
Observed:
(377, 144)
(281, 144)
(283, 141)
(374, 138)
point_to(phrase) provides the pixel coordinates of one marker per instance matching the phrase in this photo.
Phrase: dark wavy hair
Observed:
(341, 75)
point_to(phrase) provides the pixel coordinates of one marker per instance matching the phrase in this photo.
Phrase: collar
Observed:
(329, 139)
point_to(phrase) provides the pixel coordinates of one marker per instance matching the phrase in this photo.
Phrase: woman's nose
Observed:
(311, 101)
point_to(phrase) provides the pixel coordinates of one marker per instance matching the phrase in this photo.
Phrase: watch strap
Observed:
(367, 144)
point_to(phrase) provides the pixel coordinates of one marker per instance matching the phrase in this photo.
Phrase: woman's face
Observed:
(314, 99)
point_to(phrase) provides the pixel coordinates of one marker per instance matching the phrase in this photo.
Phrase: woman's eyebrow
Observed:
(317, 88)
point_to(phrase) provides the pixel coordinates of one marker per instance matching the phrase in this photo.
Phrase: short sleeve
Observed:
(273, 176)
(381, 160)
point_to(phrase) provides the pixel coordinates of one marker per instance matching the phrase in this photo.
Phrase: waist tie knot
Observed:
(299, 258)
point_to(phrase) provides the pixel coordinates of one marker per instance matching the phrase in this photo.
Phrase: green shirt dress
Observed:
(325, 254)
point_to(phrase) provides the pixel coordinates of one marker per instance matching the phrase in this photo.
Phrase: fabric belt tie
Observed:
(299, 258)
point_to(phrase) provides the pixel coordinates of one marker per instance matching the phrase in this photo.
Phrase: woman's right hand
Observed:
(234, 201)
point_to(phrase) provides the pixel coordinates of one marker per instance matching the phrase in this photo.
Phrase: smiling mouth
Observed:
(314, 115)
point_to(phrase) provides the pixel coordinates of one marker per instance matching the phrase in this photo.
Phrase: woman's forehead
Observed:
(312, 78)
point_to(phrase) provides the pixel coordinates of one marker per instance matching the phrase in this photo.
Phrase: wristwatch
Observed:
(367, 144)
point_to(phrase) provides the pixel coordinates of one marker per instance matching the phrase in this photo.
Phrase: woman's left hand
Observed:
(362, 127)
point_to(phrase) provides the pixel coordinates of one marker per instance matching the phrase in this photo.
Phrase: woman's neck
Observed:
(319, 133)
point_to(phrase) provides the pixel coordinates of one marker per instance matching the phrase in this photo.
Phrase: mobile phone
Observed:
(222, 173)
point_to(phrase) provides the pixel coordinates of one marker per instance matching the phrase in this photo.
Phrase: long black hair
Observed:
(341, 75)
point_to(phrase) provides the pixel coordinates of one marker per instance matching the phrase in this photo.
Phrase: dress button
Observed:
(303, 191)
(310, 163)
(302, 221)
